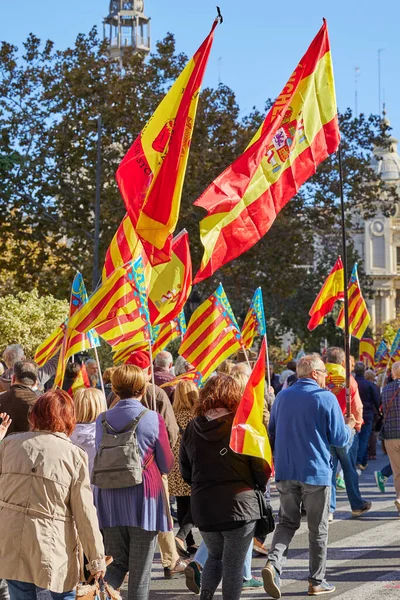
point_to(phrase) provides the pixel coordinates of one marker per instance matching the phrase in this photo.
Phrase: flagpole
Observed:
(99, 369)
(247, 357)
(153, 383)
(267, 357)
(95, 277)
(347, 337)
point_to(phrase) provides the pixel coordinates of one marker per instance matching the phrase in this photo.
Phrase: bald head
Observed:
(163, 360)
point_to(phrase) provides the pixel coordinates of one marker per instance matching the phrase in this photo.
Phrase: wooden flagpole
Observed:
(347, 337)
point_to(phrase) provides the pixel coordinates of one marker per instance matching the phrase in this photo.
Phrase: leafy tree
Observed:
(49, 103)
(27, 319)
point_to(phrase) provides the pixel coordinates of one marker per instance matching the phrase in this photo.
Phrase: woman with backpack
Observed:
(224, 503)
(132, 452)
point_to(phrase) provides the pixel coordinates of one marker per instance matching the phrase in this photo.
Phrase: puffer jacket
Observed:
(84, 436)
(222, 482)
(46, 502)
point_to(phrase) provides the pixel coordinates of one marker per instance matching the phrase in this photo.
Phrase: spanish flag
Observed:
(298, 133)
(81, 381)
(151, 175)
(212, 334)
(367, 352)
(254, 323)
(249, 435)
(359, 317)
(332, 290)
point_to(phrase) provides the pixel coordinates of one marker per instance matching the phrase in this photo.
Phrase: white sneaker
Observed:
(330, 517)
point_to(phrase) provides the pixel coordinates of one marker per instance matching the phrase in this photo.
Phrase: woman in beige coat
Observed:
(46, 502)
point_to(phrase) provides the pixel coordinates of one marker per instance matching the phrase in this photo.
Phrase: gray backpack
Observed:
(118, 463)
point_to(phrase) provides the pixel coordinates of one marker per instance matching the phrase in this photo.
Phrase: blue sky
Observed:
(258, 45)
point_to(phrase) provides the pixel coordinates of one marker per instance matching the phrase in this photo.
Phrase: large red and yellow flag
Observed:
(249, 435)
(151, 175)
(125, 246)
(298, 133)
(50, 346)
(332, 290)
(212, 334)
(367, 352)
(359, 316)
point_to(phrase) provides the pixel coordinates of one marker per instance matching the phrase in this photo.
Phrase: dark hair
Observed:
(26, 372)
(220, 391)
(291, 365)
(359, 368)
(335, 355)
(72, 370)
(54, 411)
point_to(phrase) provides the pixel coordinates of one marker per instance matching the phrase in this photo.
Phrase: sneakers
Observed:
(252, 584)
(361, 467)
(193, 577)
(365, 508)
(330, 517)
(259, 548)
(380, 481)
(178, 569)
(340, 484)
(271, 580)
(323, 588)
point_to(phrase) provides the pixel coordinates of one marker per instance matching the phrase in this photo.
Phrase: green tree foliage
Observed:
(27, 319)
(49, 103)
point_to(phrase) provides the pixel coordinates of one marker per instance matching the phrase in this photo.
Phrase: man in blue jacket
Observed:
(306, 421)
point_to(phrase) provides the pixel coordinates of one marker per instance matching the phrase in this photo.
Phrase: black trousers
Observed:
(185, 520)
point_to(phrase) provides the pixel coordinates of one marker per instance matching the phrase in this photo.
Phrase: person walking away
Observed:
(370, 399)
(21, 397)
(131, 516)
(186, 396)
(390, 432)
(335, 365)
(224, 503)
(5, 423)
(46, 503)
(163, 364)
(370, 375)
(305, 422)
(89, 404)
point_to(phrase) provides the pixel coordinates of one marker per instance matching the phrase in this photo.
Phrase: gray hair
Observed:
(242, 368)
(91, 361)
(26, 372)
(396, 370)
(335, 355)
(182, 366)
(308, 363)
(163, 360)
(13, 354)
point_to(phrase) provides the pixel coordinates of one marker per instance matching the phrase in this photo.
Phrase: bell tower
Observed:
(126, 28)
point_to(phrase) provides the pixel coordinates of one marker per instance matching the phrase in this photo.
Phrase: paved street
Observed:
(363, 556)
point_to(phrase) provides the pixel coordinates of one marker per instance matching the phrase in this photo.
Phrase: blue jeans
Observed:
(19, 590)
(387, 471)
(363, 439)
(347, 457)
(202, 555)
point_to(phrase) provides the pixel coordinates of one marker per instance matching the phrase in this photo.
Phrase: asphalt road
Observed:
(363, 555)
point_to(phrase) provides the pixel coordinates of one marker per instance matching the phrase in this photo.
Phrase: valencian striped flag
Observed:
(212, 334)
(299, 132)
(151, 175)
(382, 357)
(395, 348)
(254, 323)
(125, 246)
(166, 333)
(358, 313)
(75, 341)
(367, 352)
(332, 290)
(118, 310)
(121, 355)
(50, 346)
(193, 376)
(249, 435)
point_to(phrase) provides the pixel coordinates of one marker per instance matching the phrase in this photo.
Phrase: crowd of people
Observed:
(89, 479)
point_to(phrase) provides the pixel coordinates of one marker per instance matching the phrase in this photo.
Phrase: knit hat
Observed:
(141, 359)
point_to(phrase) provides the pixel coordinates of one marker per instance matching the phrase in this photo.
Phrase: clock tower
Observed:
(126, 28)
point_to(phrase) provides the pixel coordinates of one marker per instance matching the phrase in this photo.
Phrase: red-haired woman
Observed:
(224, 504)
(46, 502)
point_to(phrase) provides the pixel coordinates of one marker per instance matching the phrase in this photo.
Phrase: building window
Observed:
(398, 259)
(397, 303)
(378, 310)
(378, 252)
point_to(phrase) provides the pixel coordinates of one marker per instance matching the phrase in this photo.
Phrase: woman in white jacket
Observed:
(89, 404)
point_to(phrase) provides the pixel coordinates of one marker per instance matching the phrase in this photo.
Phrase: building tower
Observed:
(378, 242)
(126, 28)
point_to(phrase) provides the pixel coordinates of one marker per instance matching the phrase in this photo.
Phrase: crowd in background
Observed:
(63, 479)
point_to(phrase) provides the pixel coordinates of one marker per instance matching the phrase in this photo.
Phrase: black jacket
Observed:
(370, 397)
(222, 482)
